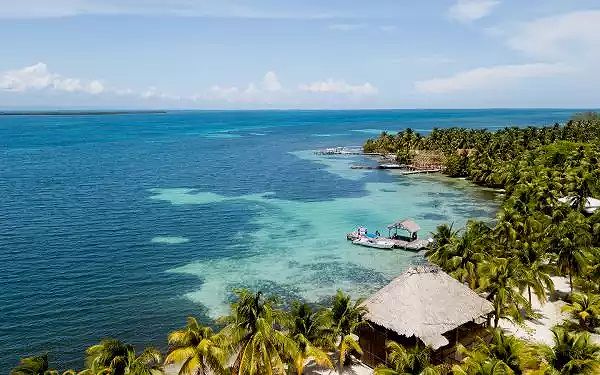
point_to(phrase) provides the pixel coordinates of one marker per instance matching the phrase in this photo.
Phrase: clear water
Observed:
(122, 225)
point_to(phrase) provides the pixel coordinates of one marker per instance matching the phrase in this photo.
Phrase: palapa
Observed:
(425, 302)
(407, 225)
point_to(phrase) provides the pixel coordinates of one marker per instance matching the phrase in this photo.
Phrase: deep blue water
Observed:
(77, 260)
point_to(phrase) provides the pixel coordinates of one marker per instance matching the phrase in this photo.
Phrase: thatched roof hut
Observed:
(406, 224)
(425, 302)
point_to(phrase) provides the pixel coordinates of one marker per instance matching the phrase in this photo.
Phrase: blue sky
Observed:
(299, 54)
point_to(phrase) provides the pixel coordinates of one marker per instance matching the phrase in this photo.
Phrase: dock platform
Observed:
(413, 246)
(422, 171)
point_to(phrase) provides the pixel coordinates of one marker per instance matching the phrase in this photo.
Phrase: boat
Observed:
(360, 236)
(379, 243)
(357, 234)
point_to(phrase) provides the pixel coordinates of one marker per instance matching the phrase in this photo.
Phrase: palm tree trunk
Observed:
(571, 280)
(340, 360)
(529, 292)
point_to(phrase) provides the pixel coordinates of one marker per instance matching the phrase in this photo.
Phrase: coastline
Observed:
(108, 178)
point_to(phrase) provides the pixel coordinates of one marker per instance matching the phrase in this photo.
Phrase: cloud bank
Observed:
(567, 36)
(488, 77)
(267, 91)
(339, 87)
(38, 77)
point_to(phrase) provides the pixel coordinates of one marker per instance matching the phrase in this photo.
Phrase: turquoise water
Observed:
(122, 225)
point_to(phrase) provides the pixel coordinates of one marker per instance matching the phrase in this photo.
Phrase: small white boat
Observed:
(379, 243)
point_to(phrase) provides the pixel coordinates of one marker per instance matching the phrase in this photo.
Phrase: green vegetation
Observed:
(404, 361)
(257, 337)
(535, 235)
(572, 353)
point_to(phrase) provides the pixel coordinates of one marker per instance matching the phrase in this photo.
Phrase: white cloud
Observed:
(339, 87)
(271, 82)
(569, 36)
(38, 77)
(268, 90)
(222, 93)
(471, 10)
(488, 77)
(347, 26)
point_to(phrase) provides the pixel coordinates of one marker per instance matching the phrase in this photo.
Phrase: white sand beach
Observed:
(539, 330)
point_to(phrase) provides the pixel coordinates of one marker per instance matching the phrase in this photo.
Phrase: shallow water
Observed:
(123, 225)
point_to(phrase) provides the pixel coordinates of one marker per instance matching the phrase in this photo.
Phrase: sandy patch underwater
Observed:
(300, 249)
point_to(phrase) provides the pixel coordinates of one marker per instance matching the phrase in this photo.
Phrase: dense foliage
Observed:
(492, 158)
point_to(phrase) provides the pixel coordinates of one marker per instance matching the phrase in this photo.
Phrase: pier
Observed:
(421, 171)
(346, 151)
(386, 161)
(405, 170)
(380, 166)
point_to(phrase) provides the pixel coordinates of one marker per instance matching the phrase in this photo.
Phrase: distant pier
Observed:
(386, 161)
(406, 170)
(345, 151)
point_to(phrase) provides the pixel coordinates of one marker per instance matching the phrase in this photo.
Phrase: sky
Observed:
(310, 54)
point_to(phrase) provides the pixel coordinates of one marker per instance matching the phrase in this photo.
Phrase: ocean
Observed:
(122, 225)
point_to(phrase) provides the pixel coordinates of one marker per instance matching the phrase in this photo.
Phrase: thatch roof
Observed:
(425, 302)
(406, 224)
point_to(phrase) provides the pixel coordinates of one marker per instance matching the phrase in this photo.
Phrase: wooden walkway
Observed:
(405, 170)
(325, 152)
(381, 166)
(422, 171)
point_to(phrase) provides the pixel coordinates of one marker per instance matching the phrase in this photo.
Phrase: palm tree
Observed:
(197, 349)
(501, 279)
(585, 308)
(572, 354)
(521, 237)
(347, 317)
(515, 353)
(415, 361)
(108, 354)
(117, 358)
(571, 241)
(477, 363)
(581, 185)
(312, 331)
(460, 255)
(257, 345)
(35, 365)
(148, 363)
(439, 252)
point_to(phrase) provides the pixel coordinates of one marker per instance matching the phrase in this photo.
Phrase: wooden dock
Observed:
(404, 169)
(346, 151)
(421, 171)
(412, 246)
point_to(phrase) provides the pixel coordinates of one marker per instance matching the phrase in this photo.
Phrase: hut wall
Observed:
(466, 335)
(373, 338)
